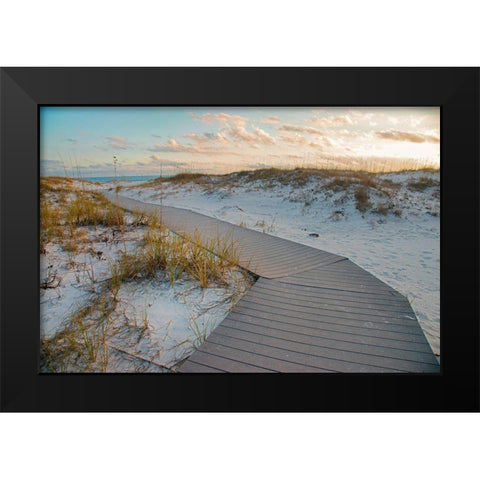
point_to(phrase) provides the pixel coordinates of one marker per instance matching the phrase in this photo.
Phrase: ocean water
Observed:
(132, 178)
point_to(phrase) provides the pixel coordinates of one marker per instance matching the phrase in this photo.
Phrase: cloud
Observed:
(172, 146)
(211, 143)
(345, 133)
(119, 143)
(51, 163)
(263, 137)
(300, 140)
(252, 139)
(96, 166)
(270, 120)
(332, 121)
(205, 138)
(299, 129)
(295, 139)
(407, 136)
(241, 134)
(51, 166)
(222, 118)
(157, 160)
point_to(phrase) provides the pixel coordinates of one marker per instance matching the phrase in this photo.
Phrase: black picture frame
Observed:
(24, 90)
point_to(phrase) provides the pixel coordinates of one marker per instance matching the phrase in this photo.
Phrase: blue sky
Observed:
(147, 140)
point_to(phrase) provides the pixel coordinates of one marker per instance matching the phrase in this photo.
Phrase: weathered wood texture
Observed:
(282, 325)
(310, 311)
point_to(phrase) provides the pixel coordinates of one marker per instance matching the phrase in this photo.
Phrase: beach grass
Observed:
(82, 343)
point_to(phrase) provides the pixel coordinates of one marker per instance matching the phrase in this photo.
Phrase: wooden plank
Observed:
(319, 307)
(260, 310)
(346, 280)
(220, 359)
(325, 284)
(301, 343)
(367, 280)
(273, 249)
(310, 361)
(235, 359)
(294, 298)
(194, 367)
(323, 324)
(280, 283)
(319, 357)
(378, 297)
(312, 312)
(257, 324)
(386, 302)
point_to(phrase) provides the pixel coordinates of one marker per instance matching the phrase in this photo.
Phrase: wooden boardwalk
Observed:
(310, 310)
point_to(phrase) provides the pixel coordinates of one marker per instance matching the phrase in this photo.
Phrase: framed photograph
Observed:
(239, 239)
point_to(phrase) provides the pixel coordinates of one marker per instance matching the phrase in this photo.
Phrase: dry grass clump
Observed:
(62, 215)
(343, 180)
(180, 178)
(186, 177)
(298, 177)
(383, 208)
(94, 209)
(81, 346)
(268, 175)
(57, 184)
(362, 202)
(50, 223)
(207, 262)
(422, 183)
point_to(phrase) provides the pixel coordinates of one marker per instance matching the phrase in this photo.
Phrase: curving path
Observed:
(310, 310)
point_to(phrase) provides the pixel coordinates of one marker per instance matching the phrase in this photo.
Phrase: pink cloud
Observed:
(158, 160)
(264, 137)
(205, 138)
(294, 139)
(407, 136)
(119, 142)
(222, 118)
(332, 121)
(270, 120)
(299, 129)
(300, 140)
(258, 136)
(172, 146)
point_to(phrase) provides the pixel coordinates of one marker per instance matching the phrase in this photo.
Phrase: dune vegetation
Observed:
(79, 224)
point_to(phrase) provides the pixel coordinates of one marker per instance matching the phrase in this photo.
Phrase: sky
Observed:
(82, 141)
